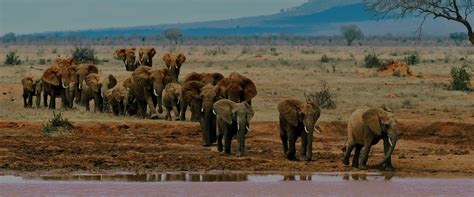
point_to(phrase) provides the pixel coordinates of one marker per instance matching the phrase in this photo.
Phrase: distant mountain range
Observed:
(315, 17)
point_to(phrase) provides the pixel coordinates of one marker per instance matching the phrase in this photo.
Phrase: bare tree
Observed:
(454, 10)
(351, 33)
(173, 34)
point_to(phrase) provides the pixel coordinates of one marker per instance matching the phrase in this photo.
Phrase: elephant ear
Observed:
(112, 81)
(216, 77)
(193, 76)
(191, 90)
(49, 76)
(167, 58)
(223, 109)
(142, 76)
(180, 59)
(221, 86)
(151, 52)
(289, 111)
(317, 111)
(250, 90)
(372, 119)
(92, 81)
(91, 68)
(250, 110)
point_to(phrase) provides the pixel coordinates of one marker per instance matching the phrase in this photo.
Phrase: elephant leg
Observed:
(304, 143)
(86, 103)
(355, 159)
(183, 107)
(52, 102)
(160, 104)
(364, 156)
(25, 103)
(64, 100)
(386, 146)
(175, 111)
(212, 134)
(38, 100)
(228, 140)
(168, 114)
(284, 141)
(120, 107)
(349, 146)
(45, 99)
(292, 150)
(219, 141)
(149, 101)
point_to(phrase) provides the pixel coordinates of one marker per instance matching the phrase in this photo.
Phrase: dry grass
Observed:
(284, 72)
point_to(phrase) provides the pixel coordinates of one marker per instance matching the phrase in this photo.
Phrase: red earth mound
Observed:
(396, 68)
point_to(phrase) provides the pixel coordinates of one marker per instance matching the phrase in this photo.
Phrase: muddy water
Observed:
(234, 184)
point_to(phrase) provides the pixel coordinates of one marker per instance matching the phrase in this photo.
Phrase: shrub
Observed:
(42, 61)
(324, 98)
(57, 125)
(412, 59)
(372, 61)
(12, 59)
(325, 59)
(84, 55)
(460, 79)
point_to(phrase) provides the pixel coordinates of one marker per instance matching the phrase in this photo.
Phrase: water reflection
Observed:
(297, 177)
(165, 177)
(364, 177)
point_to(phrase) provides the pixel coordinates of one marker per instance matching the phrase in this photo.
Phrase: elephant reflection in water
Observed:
(293, 178)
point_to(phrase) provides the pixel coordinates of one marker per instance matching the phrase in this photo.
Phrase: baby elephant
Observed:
(119, 99)
(365, 128)
(232, 119)
(298, 119)
(171, 96)
(31, 87)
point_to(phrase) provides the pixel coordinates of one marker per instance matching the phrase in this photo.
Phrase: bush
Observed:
(57, 125)
(372, 61)
(460, 79)
(412, 59)
(12, 59)
(325, 59)
(84, 55)
(42, 62)
(324, 98)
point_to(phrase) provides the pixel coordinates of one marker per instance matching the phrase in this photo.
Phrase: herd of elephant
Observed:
(222, 105)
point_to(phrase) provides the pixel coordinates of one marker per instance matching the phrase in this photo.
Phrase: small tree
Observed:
(12, 59)
(458, 37)
(84, 55)
(173, 34)
(460, 79)
(351, 33)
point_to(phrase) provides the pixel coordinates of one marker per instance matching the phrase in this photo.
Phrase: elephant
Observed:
(128, 57)
(65, 62)
(237, 88)
(232, 119)
(32, 86)
(147, 86)
(145, 56)
(94, 87)
(205, 78)
(298, 119)
(78, 75)
(56, 80)
(120, 100)
(365, 128)
(173, 63)
(171, 97)
(201, 97)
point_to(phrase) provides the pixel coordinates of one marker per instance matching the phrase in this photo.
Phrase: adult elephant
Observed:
(237, 88)
(366, 127)
(147, 86)
(32, 86)
(127, 55)
(232, 119)
(94, 87)
(204, 78)
(145, 56)
(173, 63)
(201, 97)
(56, 80)
(298, 119)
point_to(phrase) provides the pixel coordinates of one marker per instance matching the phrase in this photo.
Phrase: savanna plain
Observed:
(436, 125)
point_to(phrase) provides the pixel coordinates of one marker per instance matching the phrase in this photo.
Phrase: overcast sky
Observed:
(27, 16)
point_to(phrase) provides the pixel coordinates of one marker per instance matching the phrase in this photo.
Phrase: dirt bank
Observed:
(149, 146)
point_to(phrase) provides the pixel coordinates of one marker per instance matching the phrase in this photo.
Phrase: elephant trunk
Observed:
(309, 143)
(241, 130)
(392, 139)
(208, 127)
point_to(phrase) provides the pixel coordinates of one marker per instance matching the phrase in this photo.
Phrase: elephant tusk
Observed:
(238, 127)
(80, 86)
(306, 129)
(178, 102)
(202, 109)
(101, 94)
(64, 86)
(316, 128)
(248, 129)
(176, 67)
(390, 141)
(214, 112)
(154, 92)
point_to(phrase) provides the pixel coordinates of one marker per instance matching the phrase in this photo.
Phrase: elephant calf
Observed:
(120, 100)
(298, 119)
(232, 119)
(171, 97)
(365, 128)
(31, 87)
